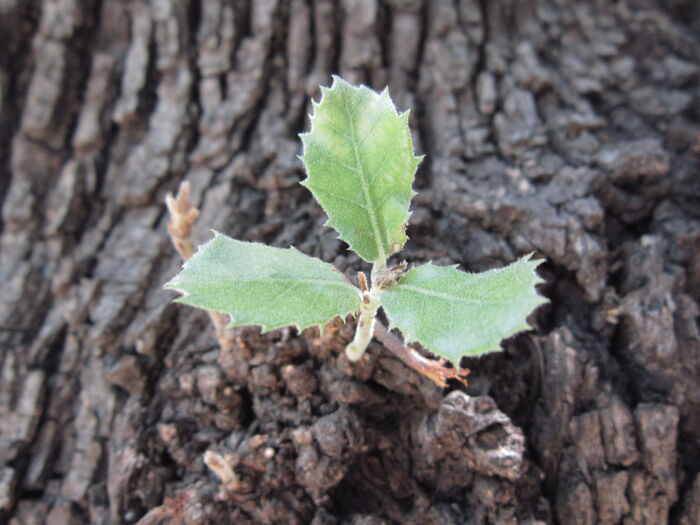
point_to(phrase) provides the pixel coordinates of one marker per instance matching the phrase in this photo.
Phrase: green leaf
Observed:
(454, 313)
(360, 166)
(261, 285)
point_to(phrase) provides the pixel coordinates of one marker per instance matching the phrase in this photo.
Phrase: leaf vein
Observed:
(328, 155)
(372, 212)
(321, 282)
(449, 297)
(342, 132)
(371, 128)
(339, 197)
(378, 171)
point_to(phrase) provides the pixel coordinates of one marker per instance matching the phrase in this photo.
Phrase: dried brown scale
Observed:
(391, 276)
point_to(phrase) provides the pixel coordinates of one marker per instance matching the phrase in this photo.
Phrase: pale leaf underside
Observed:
(454, 313)
(360, 164)
(260, 285)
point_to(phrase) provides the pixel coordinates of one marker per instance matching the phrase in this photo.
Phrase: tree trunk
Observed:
(567, 128)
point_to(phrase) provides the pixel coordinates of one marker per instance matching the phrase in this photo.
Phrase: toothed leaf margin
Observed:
(261, 285)
(360, 166)
(455, 314)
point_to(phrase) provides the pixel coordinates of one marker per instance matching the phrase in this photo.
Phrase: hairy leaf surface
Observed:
(261, 285)
(454, 313)
(360, 166)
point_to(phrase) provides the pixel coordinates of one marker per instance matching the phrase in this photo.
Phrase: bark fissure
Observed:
(564, 128)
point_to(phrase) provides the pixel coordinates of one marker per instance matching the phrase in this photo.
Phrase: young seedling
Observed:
(360, 167)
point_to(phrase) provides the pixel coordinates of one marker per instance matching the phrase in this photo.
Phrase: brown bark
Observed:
(570, 128)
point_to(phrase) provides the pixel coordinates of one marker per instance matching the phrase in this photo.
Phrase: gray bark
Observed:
(562, 127)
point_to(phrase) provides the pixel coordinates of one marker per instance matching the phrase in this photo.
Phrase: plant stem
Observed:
(378, 268)
(365, 327)
(368, 313)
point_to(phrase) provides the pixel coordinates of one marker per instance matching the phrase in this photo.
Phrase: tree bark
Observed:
(568, 128)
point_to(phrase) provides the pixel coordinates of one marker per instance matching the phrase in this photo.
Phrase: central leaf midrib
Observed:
(297, 281)
(365, 188)
(448, 297)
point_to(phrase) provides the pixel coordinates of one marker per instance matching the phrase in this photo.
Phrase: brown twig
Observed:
(435, 370)
(182, 218)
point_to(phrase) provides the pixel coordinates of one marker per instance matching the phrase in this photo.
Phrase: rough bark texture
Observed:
(569, 128)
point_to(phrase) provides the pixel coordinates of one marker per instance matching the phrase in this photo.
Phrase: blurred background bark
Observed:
(569, 128)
